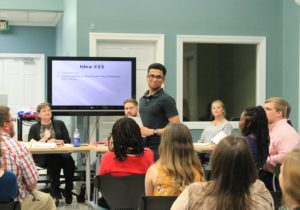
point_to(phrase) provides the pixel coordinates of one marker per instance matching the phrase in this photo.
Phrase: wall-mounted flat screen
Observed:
(90, 85)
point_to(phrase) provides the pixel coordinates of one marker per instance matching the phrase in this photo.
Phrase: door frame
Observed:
(259, 41)
(158, 39)
(23, 56)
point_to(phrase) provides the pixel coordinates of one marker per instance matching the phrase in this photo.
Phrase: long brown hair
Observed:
(231, 163)
(177, 155)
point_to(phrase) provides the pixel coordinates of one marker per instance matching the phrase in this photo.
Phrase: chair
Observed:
(13, 205)
(121, 192)
(276, 192)
(157, 202)
(277, 197)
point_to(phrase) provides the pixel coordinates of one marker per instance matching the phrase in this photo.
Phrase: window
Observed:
(228, 68)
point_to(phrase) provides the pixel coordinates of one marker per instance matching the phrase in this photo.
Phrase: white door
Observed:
(22, 82)
(145, 48)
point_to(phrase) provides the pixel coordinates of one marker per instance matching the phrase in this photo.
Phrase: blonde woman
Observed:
(178, 165)
(218, 124)
(289, 179)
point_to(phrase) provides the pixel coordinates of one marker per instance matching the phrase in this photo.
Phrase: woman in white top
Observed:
(218, 124)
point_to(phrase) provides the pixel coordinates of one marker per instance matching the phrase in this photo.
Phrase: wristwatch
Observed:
(155, 132)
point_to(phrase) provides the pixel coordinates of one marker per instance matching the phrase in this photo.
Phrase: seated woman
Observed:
(49, 130)
(178, 165)
(8, 184)
(234, 183)
(218, 124)
(289, 179)
(128, 155)
(254, 126)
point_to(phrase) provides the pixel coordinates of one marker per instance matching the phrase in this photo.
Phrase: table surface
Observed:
(198, 148)
(62, 149)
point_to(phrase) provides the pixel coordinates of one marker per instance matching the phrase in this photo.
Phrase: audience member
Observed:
(8, 183)
(129, 155)
(234, 183)
(289, 179)
(254, 126)
(178, 165)
(157, 108)
(49, 130)
(131, 107)
(218, 124)
(17, 159)
(283, 137)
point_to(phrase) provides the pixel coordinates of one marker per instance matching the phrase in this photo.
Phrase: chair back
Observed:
(13, 205)
(157, 202)
(121, 192)
(277, 198)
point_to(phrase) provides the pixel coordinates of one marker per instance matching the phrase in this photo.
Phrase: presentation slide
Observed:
(91, 83)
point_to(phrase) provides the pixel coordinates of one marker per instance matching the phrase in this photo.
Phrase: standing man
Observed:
(157, 108)
(283, 137)
(131, 107)
(17, 159)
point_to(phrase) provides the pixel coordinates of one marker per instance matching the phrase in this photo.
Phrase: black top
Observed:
(155, 111)
(59, 127)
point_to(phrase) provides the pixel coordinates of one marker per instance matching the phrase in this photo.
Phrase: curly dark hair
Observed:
(127, 138)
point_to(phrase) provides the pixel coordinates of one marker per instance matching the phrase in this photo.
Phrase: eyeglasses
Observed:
(152, 76)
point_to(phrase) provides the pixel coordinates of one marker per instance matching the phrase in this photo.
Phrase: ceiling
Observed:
(30, 18)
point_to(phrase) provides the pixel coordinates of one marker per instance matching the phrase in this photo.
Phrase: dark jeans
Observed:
(153, 145)
(55, 163)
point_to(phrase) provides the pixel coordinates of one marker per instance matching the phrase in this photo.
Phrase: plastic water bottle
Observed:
(76, 138)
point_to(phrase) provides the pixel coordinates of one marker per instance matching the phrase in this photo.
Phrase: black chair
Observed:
(277, 197)
(13, 205)
(276, 192)
(121, 192)
(157, 202)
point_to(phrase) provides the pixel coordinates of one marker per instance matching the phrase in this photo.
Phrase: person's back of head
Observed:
(233, 172)
(177, 155)
(256, 123)
(289, 178)
(127, 138)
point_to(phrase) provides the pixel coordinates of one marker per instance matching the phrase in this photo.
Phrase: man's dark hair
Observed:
(158, 66)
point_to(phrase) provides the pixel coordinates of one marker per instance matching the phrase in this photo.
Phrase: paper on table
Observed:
(218, 137)
(43, 145)
(35, 144)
